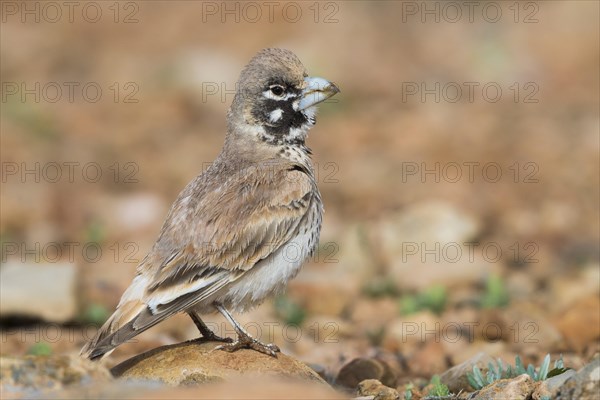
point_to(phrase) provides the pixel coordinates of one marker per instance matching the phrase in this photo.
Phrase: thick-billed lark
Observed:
(241, 230)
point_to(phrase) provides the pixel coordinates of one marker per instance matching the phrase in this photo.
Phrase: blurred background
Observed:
(459, 168)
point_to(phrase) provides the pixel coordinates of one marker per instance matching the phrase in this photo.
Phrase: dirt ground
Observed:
(459, 168)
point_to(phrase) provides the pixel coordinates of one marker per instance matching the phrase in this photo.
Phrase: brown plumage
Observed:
(223, 244)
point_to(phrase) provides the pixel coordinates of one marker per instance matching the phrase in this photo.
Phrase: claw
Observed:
(244, 340)
(247, 342)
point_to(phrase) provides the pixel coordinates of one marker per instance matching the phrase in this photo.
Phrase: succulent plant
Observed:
(500, 371)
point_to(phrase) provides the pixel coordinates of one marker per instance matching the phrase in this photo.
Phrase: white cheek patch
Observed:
(275, 115)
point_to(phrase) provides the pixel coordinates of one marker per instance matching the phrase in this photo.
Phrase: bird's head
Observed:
(276, 99)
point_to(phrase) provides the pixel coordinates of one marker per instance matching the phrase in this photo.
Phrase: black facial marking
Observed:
(279, 130)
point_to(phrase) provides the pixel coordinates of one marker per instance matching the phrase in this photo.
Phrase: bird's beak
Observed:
(315, 91)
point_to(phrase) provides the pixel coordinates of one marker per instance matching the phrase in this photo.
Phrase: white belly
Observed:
(269, 276)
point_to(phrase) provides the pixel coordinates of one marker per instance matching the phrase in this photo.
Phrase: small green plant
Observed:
(433, 299)
(439, 389)
(408, 392)
(380, 287)
(95, 314)
(40, 349)
(495, 295)
(500, 371)
(542, 373)
(95, 232)
(494, 373)
(289, 311)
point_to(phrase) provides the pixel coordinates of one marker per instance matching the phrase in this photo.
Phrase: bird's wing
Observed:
(225, 234)
(237, 227)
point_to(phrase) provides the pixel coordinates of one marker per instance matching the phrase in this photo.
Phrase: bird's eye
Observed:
(277, 90)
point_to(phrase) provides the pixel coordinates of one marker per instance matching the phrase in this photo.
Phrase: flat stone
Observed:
(195, 362)
(580, 322)
(361, 369)
(585, 385)
(372, 387)
(28, 376)
(547, 388)
(25, 290)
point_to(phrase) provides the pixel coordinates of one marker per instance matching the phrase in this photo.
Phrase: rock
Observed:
(584, 385)
(427, 243)
(372, 387)
(25, 290)
(32, 374)
(524, 327)
(428, 222)
(569, 289)
(195, 362)
(361, 369)
(354, 255)
(428, 360)
(456, 377)
(332, 355)
(547, 388)
(580, 322)
(518, 388)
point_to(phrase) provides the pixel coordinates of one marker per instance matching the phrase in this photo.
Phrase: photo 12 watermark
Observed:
(326, 12)
(69, 172)
(52, 12)
(452, 12)
(70, 92)
(521, 172)
(470, 252)
(453, 332)
(470, 92)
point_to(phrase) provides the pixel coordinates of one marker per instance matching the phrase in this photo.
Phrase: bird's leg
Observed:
(207, 334)
(244, 340)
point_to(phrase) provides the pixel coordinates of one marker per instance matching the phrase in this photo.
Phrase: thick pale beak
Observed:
(315, 91)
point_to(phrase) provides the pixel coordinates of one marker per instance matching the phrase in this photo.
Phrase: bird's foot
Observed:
(248, 342)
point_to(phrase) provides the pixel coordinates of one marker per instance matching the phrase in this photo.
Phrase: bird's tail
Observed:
(115, 331)
(121, 326)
